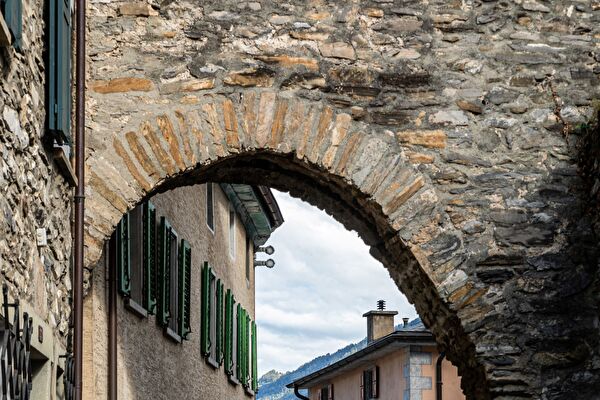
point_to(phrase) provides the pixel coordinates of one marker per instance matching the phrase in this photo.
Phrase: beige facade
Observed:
(151, 365)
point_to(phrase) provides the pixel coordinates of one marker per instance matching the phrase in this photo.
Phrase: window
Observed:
(326, 393)
(231, 232)
(369, 384)
(135, 259)
(230, 338)
(249, 258)
(12, 24)
(254, 356)
(175, 284)
(207, 336)
(210, 207)
(58, 77)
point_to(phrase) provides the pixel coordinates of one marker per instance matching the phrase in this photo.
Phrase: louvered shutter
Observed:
(185, 288)
(320, 394)
(229, 300)
(219, 321)
(124, 256)
(164, 274)
(205, 311)
(375, 383)
(254, 358)
(330, 392)
(12, 11)
(239, 343)
(150, 264)
(362, 386)
(59, 71)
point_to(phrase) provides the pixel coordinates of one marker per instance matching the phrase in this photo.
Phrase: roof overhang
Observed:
(257, 208)
(365, 357)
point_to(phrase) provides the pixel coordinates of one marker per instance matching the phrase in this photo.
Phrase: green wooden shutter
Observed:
(124, 256)
(247, 350)
(150, 264)
(229, 302)
(219, 318)
(59, 71)
(205, 344)
(164, 274)
(185, 288)
(254, 359)
(12, 10)
(238, 349)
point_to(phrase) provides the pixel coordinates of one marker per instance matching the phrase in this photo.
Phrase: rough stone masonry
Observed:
(441, 130)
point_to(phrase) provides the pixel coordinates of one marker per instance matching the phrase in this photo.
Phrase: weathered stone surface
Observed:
(121, 85)
(337, 50)
(433, 139)
(137, 9)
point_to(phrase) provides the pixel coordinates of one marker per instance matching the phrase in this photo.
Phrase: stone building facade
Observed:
(442, 131)
(157, 365)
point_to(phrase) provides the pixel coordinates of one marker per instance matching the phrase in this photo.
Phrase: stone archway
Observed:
(443, 125)
(314, 152)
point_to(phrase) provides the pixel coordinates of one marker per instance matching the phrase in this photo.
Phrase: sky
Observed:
(324, 279)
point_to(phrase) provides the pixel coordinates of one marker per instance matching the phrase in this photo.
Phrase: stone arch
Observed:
(354, 171)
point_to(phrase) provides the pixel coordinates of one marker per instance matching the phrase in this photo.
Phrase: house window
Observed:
(326, 393)
(135, 257)
(231, 232)
(174, 281)
(58, 76)
(249, 257)
(208, 311)
(210, 207)
(369, 385)
(230, 333)
(11, 23)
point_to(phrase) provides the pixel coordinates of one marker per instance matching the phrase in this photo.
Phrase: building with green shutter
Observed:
(183, 293)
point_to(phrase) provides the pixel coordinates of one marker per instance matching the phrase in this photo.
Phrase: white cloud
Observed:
(312, 302)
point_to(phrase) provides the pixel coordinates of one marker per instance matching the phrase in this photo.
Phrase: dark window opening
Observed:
(210, 209)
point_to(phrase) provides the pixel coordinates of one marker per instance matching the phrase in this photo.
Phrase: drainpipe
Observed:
(79, 197)
(438, 376)
(298, 395)
(112, 319)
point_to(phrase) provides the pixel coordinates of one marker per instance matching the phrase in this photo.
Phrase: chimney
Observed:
(405, 322)
(380, 322)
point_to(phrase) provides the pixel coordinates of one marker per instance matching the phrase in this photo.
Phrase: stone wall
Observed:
(439, 130)
(150, 365)
(33, 194)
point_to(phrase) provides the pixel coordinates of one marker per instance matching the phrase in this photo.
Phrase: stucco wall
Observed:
(393, 381)
(151, 366)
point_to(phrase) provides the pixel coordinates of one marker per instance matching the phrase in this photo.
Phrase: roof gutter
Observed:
(79, 198)
(298, 395)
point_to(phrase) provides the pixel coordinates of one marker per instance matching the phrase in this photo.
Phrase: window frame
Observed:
(232, 232)
(171, 329)
(210, 205)
(369, 388)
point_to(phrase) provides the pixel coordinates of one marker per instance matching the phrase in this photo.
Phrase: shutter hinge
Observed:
(55, 108)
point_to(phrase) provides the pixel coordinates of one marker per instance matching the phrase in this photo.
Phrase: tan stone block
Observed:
(265, 117)
(425, 138)
(403, 196)
(185, 136)
(469, 106)
(137, 9)
(161, 155)
(318, 16)
(306, 131)
(249, 113)
(169, 34)
(191, 85)
(121, 152)
(249, 77)
(325, 120)
(103, 190)
(338, 134)
(351, 146)
(122, 85)
(307, 35)
(294, 121)
(288, 62)
(419, 158)
(140, 154)
(231, 125)
(212, 118)
(374, 12)
(337, 50)
(278, 123)
(166, 127)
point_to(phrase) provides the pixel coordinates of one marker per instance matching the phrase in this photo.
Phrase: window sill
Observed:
(249, 392)
(232, 379)
(171, 334)
(64, 165)
(212, 362)
(135, 308)
(5, 38)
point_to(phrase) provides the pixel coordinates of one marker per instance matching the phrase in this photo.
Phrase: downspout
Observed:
(438, 376)
(79, 197)
(112, 319)
(298, 395)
